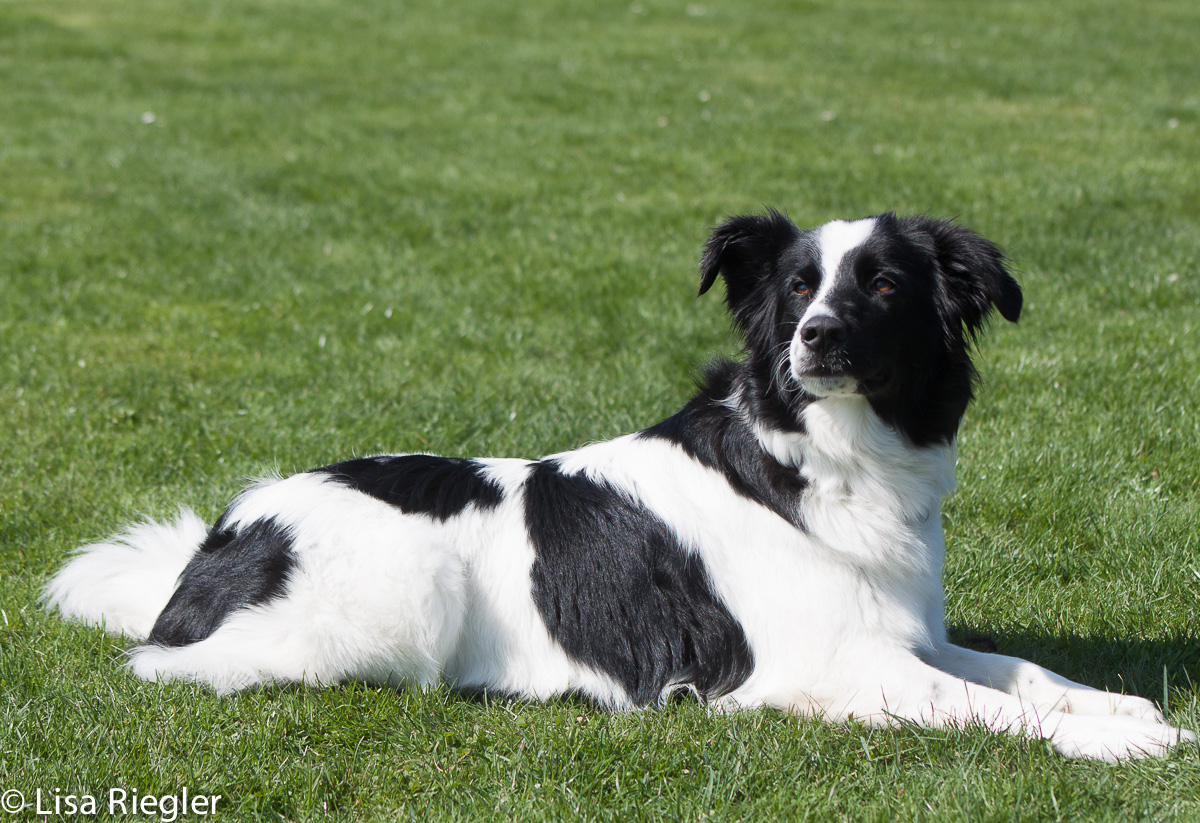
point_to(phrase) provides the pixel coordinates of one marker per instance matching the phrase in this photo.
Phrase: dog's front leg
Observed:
(1037, 686)
(909, 690)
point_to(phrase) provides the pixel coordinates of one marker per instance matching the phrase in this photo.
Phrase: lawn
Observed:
(246, 237)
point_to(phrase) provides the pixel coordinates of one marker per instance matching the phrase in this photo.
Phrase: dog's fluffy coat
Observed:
(778, 541)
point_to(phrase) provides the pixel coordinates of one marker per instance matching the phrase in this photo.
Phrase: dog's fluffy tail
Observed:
(123, 583)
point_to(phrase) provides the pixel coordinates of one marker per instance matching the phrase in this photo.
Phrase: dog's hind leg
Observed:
(265, 645)
(227, 660)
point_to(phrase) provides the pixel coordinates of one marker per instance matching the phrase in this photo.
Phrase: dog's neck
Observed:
(834, 446)
(843, 447)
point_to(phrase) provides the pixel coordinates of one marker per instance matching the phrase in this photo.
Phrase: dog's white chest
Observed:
(871, 494)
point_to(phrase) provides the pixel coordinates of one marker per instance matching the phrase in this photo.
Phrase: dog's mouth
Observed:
(829, 385)
(825, 378)
(837, 379)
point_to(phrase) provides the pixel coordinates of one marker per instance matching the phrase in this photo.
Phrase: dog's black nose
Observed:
(823, 334)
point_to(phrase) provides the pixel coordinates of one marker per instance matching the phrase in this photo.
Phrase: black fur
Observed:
(619, 593)
(754, 254)
(233, 569)
(920, 380)
(717, 437)
(440, 487)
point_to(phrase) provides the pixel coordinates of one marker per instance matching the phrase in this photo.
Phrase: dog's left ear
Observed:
(974, 274)
(743, 251)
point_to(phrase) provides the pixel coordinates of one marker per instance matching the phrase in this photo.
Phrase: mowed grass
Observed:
(238, 238)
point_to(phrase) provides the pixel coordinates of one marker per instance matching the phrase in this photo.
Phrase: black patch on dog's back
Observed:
(618, 591)
(440, 487)
(717, 437)
(233, 569)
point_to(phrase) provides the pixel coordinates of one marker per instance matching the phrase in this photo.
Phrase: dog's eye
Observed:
(801, 288)
(881, 285)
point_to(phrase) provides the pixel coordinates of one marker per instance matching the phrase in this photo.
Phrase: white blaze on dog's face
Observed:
(820, 327)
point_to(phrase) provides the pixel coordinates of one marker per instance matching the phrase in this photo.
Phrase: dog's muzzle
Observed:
(818, 358)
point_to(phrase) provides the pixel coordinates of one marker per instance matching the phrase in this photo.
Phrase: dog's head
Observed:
(884, 308)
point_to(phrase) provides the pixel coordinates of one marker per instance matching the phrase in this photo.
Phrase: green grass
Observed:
(235, 237)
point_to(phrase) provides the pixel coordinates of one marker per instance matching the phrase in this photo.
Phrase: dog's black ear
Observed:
(743, 250)
(973, 274)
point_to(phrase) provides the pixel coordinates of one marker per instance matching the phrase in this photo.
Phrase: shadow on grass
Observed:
(1131, 665)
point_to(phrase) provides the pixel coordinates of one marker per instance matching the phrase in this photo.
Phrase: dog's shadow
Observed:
(1131, 665)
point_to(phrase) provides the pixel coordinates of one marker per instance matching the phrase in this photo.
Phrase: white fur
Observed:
(122, 584)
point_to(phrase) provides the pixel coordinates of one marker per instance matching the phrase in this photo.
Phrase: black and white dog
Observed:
(778, 541)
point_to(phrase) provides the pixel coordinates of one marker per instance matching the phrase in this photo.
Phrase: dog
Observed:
(777, 542)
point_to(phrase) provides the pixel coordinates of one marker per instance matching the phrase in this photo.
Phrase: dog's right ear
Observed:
(743, 251)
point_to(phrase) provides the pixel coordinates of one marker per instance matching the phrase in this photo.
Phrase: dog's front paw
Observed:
(1130, 706)
(1087, 701)
(1116, 738)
